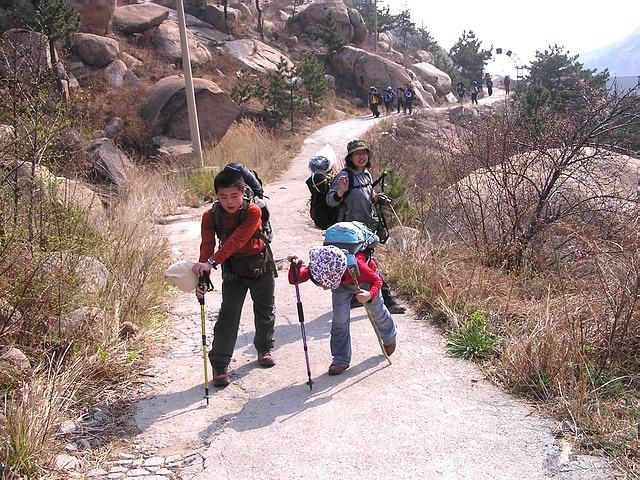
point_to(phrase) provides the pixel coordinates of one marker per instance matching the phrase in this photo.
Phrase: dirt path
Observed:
(426, 416)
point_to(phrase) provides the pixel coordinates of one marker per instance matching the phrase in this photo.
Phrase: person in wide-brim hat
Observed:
(354, 146)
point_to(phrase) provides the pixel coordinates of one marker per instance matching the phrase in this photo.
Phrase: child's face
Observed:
(230, 198)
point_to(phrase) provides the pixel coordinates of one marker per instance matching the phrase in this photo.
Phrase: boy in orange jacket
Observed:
(246, 266)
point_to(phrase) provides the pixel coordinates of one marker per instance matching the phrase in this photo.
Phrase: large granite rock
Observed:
(167, 105)
(139, 18)
(23, 53)
(95, 50)
(311, 19)
(426, 72)
(360, 69)
(167, 39)
(95, 15)
(256, 55)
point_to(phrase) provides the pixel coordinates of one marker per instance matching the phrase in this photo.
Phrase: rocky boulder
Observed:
(311, 19)
(426, 72)
(167, 39)
(167, 106)
(107, 163)
(95, 15)
(139, 18)
(214, 15)
(23, 53)
(360, 69)
(95, 50)
(256, 55)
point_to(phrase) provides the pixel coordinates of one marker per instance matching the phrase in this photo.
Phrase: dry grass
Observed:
(568, 328)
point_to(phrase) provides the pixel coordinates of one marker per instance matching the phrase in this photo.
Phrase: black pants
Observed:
(374, 109)
(225, 331)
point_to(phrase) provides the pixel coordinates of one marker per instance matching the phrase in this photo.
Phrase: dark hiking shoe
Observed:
(221, 376)
(335, 369)
(395, 308)
(389, 349)
(266, 359)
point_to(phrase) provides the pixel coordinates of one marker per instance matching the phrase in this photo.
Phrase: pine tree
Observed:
(313, 80)
(329, 33)
(468, 56)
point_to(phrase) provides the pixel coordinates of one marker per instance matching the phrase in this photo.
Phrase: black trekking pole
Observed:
(301, 319)
(204, 284)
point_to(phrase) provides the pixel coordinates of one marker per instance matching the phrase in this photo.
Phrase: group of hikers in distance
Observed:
(476, 88)
(235, 238)
(401, 99)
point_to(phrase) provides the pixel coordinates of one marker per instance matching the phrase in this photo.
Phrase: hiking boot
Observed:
(221, 376)
(335, 369)
(395, 308)
(266, 359)
(389, 349)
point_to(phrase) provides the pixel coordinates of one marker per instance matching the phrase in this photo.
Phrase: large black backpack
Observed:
(321, 213)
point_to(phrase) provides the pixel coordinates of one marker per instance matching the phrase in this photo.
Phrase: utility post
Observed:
(375, 24)
(188, 79)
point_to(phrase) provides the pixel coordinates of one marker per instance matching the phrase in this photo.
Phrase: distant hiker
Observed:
(475, 89)
(409, 96)
(374, 101)
(246, 266)
(507, 83)
(400, 97)
(358, 205)
(461, 90)
(327, 268)
(489, 83)
(389, 97)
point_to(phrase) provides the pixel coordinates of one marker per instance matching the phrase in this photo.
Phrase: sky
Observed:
(579, 26)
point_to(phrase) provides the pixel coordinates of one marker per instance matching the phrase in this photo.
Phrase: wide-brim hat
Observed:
(327, 264)
(355, 145)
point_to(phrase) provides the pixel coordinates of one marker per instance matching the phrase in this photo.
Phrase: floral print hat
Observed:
(327, 264)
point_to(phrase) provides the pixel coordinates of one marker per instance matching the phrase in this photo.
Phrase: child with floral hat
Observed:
(327, 268)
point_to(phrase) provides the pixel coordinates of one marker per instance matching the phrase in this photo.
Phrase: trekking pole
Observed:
(301, 319)
(354, 276)
(204, 283)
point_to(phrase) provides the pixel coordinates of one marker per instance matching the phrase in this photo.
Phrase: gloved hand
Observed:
(383, 200)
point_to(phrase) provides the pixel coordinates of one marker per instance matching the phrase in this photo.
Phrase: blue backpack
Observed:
(350, 236)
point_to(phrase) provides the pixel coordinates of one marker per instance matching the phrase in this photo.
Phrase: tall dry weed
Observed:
(34, 414)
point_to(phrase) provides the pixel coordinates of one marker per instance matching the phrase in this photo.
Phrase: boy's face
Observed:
(230, 199)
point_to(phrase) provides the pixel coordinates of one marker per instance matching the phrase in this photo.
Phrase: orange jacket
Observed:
(241, 242)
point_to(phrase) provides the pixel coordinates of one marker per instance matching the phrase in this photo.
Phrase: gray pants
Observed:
(225, 331)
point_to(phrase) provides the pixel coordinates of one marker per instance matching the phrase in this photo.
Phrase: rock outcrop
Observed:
(311, 19)
(360, 69)
(256, 55)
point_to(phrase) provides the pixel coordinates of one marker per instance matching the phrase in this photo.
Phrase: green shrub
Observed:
(471, 339)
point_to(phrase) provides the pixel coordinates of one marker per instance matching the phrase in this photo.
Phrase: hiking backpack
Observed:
(350, 236)
(321, 213)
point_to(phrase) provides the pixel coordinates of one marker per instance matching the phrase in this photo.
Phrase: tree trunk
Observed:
(260, 24)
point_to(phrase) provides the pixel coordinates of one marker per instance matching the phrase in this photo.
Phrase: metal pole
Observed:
(191, 96)
(375, 23)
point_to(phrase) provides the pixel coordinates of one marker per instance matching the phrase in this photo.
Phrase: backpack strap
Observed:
(223, 234)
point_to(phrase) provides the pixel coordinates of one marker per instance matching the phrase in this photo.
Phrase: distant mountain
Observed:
(622, 58)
